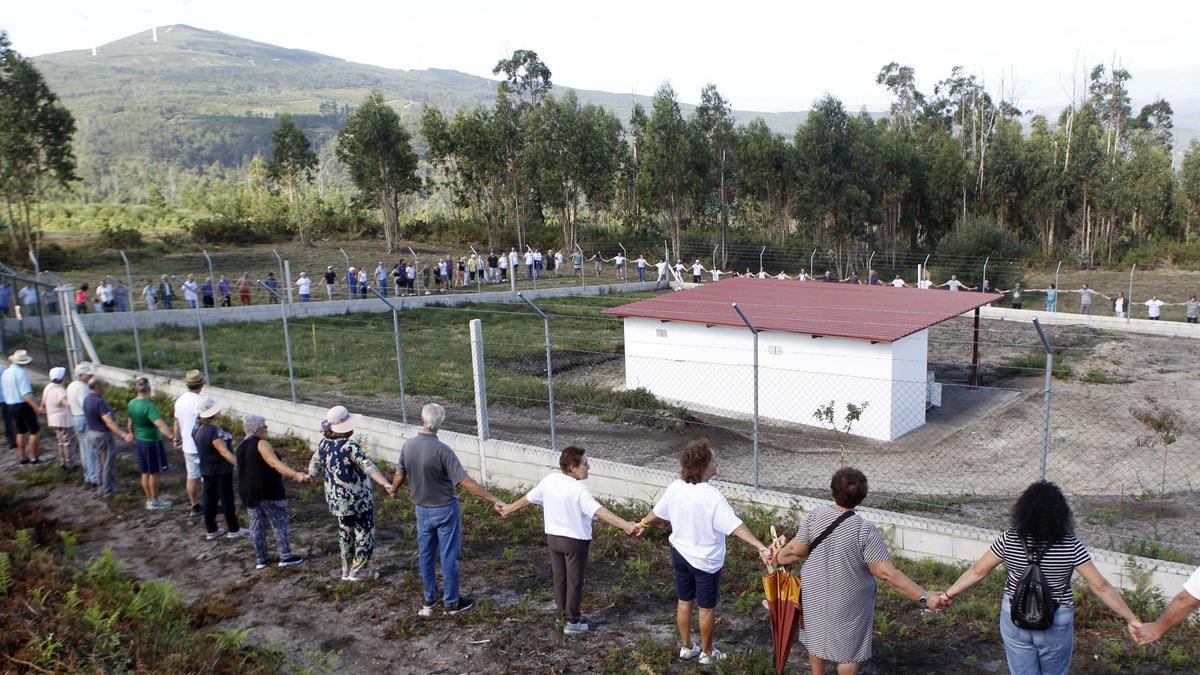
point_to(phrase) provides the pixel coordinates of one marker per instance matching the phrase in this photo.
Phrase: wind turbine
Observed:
(154, 28)
(93, 22)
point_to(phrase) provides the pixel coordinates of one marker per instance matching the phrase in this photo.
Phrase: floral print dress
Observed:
(346, 470)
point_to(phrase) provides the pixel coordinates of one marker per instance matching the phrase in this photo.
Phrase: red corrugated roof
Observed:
(876, 313)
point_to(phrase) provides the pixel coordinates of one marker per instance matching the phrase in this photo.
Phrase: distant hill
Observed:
(199, 97)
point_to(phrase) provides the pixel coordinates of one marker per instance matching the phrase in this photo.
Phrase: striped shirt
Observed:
(1058, 563)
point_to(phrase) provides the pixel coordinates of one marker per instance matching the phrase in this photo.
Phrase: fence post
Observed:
(287, 338)
(416, 271)
(399, 358)
(983, 279)
(477, 367)
(349, 294)
(549, 370)
(212, 279)
(754, 332)
(137, 338)
(1046, 402)
(283, 278)
(67, 308)
(1056, 271)
(200, 329)
(582, 266)
(625, 267)
(1129, 296)
(287, 282)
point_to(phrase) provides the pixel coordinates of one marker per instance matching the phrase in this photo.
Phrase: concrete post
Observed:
(66, 309)
(477, 368)
(287, 280)
(399, 355)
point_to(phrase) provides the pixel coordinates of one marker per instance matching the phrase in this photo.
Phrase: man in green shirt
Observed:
(148, 430)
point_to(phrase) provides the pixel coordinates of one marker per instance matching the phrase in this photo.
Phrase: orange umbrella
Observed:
(782, 591)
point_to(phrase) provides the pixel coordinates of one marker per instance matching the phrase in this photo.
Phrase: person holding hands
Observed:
(569, 509)
(844, 555)
(701, 518)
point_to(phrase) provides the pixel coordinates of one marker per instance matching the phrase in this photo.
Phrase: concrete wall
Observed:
(709, 368)
(1100, 321)
(515, 466)
(122, 321)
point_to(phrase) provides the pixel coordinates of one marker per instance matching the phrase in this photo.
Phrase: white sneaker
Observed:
(426, 610)
(692, 652)
(712, 657)
(239, 534)
(575, 628)
(215, 535)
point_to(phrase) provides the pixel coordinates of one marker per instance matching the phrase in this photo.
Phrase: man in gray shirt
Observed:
(433, 473)
(1085, 298)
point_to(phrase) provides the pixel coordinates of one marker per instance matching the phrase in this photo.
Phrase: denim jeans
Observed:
(87, 454)
(1038, 652)
(439, 536)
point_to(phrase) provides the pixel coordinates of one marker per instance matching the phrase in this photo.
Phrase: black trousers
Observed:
(568, 564)
(219, 488)
(9, 430)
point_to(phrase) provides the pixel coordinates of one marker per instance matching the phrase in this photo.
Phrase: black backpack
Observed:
(1033, 603)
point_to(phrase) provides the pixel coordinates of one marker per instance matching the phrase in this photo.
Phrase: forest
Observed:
(1095, 184)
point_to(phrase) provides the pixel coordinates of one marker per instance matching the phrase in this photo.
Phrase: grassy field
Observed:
(354, 356)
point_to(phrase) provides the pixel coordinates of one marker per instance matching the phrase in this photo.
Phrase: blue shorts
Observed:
(151, 456)
(692, 584)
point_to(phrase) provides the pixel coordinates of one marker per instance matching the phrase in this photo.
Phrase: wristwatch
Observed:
(924, 601)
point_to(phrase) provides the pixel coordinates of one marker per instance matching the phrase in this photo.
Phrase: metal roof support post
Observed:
(754, 332)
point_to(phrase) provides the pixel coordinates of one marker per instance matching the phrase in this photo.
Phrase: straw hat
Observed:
(210, 408)
(21, 357)
(340, 420)
(193, 377)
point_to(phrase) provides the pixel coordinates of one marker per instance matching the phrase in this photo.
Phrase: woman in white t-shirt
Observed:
(701, 519)
(569, 509)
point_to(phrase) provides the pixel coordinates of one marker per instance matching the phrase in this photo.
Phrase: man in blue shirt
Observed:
(22, 408)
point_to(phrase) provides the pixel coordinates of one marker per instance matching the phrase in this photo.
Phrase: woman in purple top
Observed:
(225, 290)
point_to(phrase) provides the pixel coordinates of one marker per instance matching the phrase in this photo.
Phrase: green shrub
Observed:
(961, 251)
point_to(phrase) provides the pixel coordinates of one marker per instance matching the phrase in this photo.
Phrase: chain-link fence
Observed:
(30, 318)
(1121, 435)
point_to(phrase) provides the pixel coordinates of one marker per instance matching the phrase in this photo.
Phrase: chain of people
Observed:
(840, 578)
(409, 276)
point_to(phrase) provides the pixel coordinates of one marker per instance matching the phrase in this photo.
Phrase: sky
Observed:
(764, 56)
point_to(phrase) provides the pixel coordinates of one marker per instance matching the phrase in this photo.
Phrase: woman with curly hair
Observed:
(701, 519)
(1042, 528)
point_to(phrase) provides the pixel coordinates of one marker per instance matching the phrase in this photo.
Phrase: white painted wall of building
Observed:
(709, 368)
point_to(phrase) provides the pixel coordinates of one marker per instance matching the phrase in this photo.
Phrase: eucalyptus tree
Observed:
(376, 149)
(470, 154)
(672, 172)
(714, 117)
(36, 150)
(576, 149)
(766, 169)
(291, 166)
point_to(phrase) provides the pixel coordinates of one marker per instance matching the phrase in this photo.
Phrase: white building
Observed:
(818, 343)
